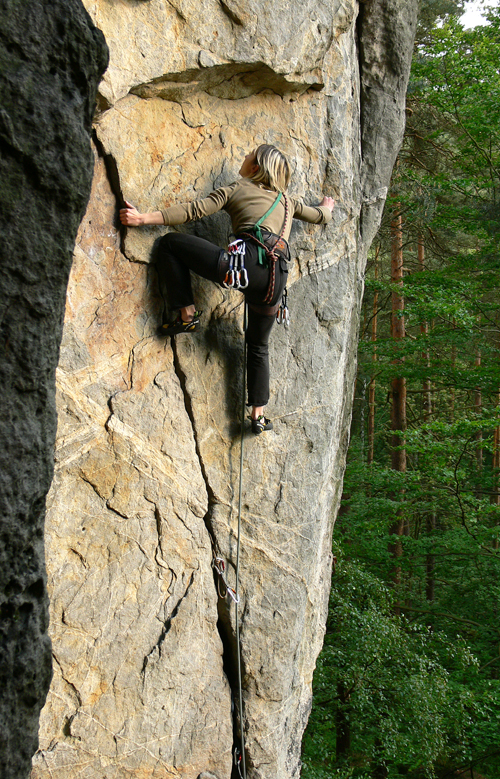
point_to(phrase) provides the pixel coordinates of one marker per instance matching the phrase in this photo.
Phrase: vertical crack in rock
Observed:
(167, 625)
(66, 728)
(189, 411)
(114, 182)
(70, 684)
(224, 628)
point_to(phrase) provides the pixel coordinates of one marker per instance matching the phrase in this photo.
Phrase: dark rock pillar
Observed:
(51, 59)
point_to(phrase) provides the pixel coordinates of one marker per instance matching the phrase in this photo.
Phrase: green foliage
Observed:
(433, 11)
(403, 694)
(408, 684)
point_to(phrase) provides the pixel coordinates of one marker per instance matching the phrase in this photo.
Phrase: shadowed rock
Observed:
(51, 60)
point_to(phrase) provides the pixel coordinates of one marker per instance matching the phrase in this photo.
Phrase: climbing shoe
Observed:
(261, 424)
(178, 326)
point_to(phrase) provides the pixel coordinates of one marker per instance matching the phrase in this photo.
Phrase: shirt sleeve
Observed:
(197, 209)
(317, 215)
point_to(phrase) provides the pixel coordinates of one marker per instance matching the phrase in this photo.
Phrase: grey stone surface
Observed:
(51, 60)
(147, 448)
(385, 28)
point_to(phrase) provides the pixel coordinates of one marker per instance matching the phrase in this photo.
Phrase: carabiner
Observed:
(227, 278)
(243, 273)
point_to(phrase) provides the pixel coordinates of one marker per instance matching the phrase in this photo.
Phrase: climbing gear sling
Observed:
(269, 252)
(258, 231)
(223, 588)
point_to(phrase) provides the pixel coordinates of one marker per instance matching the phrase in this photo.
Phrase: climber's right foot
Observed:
(261, 424)
(179, 326)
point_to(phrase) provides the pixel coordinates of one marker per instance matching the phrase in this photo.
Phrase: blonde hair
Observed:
(274, 169)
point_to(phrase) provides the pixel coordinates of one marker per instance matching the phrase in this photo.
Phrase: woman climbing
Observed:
(256, 262)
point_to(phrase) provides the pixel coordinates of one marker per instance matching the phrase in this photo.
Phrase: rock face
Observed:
(148, 446)
(52, 58)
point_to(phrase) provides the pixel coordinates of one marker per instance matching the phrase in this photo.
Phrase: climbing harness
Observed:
(236, 275)
(269, 252)
(219, 567)
(283, 314)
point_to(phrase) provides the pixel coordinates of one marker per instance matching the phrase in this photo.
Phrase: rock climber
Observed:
(261, 214)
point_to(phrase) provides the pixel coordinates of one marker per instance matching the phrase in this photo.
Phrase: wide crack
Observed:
(113, 177)
(224, 628)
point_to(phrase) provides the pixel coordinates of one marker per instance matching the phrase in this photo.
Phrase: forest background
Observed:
(408, 683)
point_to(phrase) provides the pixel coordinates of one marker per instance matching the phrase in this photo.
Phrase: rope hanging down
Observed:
(237, 599)
(219, 565)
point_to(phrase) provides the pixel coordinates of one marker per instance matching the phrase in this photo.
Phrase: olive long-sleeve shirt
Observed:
(246, 202)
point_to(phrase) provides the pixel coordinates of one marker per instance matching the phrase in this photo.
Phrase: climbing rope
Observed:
(237, 599)
(219, 566)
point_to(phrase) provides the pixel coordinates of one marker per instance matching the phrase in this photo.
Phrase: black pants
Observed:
(179, 253)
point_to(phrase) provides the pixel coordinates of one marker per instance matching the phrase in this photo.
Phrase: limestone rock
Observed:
(138, 679)
(148, 446)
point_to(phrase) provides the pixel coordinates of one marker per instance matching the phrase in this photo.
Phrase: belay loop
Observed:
(283, 314)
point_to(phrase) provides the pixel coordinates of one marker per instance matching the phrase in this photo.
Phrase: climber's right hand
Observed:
(329, 202)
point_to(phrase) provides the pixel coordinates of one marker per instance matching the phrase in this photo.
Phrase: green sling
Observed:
(258, 232)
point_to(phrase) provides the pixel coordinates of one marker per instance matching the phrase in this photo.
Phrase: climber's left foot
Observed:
(179, 326)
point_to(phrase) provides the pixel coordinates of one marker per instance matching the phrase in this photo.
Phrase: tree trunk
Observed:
(371, 388)
(430, 561)
(453, 364)
(496, 462)
(342, 724)
(496, 470)
(398, 385)
(478, 406)
(424, 329)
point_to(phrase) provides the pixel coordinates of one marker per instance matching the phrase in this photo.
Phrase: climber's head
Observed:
(268, 166)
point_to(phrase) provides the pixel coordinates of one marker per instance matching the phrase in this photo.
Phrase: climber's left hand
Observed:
(130, 216)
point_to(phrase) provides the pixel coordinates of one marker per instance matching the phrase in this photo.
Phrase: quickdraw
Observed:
(236, 275)
(223, 587)
(283, 314)
(237, 760)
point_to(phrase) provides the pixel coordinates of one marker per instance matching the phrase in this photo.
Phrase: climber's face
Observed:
(249, 167)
